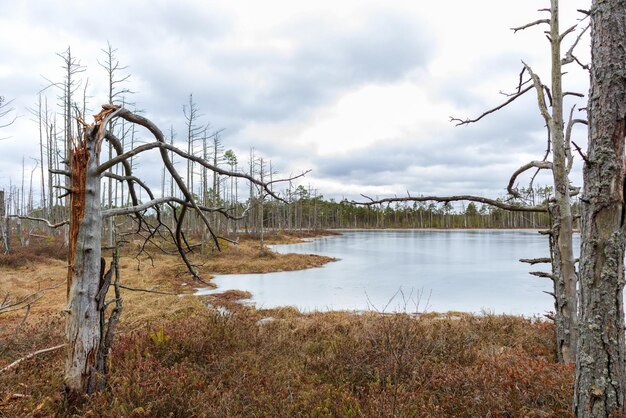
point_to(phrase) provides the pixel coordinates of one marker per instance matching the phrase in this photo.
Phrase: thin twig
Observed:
(581, 153)
(134, 289)
(28, 356)
(531, 24)
(511, 99)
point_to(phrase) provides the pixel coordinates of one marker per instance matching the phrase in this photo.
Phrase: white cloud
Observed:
(360, 91)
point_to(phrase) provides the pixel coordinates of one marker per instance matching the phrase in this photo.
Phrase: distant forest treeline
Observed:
(307, 211)
(303, 209)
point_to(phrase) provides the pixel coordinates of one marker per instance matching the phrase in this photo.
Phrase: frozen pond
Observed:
(426, 270)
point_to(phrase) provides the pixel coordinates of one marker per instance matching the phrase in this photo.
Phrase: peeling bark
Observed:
(87, 283)
(83, 327)
(599, 386)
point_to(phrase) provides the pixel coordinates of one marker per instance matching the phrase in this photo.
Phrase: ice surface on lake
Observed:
(409, 270)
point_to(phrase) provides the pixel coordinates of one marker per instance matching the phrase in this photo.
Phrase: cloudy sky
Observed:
(358, 91)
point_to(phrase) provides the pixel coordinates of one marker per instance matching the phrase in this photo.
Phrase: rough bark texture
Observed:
(565, 273)
(562, 320)
(599, 386)
(83, 326)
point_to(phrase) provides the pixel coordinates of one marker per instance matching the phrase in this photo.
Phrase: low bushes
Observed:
(333, 364)
(39, 250)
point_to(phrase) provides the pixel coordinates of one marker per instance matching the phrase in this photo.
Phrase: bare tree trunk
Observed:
(205, 189)
(599, 387)
(4, 226)
(51, 151)
(83, 326)
(261, 215)
(565, 275)
(217, 148)
(108, 327)
(562, 319)
(41, 147)
(171, 155)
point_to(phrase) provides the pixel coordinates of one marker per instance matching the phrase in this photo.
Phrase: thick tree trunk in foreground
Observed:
(599, 387)
(83, 326)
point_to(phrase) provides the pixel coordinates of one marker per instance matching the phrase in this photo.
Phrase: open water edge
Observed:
(409, 271)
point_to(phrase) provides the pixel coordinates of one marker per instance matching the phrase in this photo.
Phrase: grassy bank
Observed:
(335, 364)
(181, 356)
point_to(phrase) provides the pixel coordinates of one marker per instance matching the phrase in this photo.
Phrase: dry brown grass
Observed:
(142, 310)
(162, 272)
(245, 257)
(296, 236)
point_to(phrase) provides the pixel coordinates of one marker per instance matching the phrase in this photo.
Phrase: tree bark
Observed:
(599, 385)
(83, 326)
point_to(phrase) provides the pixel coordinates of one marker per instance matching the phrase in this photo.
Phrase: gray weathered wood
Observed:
(564, 269)
(83, 325)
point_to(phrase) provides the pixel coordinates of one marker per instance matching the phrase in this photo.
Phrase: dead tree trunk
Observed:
(599, 387)
(88, 338)
(4, 225)
(561, 247)
(563, 320)
(83, 326)
(565, 273)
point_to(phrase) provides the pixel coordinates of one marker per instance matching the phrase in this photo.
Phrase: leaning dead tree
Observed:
(600, 384)
(88, 279)
(550, 101)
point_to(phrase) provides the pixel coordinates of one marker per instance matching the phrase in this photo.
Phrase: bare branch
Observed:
(444, 199)
(46, 221)
(167, 147)
(541, 100)
(549, 293)
(542, 274)
(62, 172)
(567, 32)
(541, 165)
(8, 304)
(304, 173)
(533, 261)
(581, 153)
(568, 137)
(511, 99)
(134, 289)
(159, 201)
(31, 355)
(531, 24)
(569, 55)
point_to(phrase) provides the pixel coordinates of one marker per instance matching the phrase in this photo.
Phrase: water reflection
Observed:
(436, 270)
